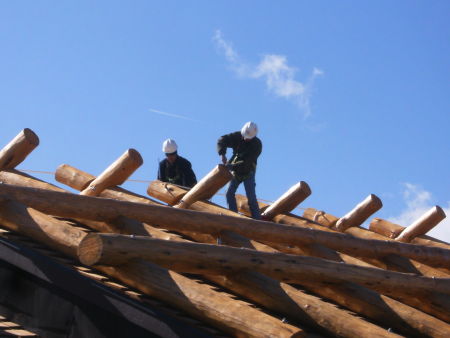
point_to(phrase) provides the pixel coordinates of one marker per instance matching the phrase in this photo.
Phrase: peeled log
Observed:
(261, 289)
(435, 304)
(289, 301)
(422, 240)
(79, 180)
(123, 167)
(207, 186)
(385, 228)
(339, 322)
(377, 307)
(197, 299)
(169, 193)
(16, 177)
(320, 217)
(98, 209)
(157, 189)
(112, 249)
(57, 234)
(321, 251)
(360, 213)
(222, 310)
(18, 149)
(126, 225)
(316, 250)
(415, 319)
(289, 200)
(421, 226)
(389, 262)
(285, 218)
(391, 230)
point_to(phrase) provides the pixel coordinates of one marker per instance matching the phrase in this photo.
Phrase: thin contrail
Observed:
(172, 115)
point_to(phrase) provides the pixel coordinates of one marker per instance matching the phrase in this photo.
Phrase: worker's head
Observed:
(249, 130)
(170, 149)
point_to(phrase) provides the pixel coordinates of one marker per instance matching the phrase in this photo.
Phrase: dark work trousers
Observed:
(249, 185)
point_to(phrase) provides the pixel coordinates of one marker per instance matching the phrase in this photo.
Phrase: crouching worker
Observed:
(246, 150)
(174, 168)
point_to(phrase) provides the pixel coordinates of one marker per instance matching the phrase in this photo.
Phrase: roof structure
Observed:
(112, 262)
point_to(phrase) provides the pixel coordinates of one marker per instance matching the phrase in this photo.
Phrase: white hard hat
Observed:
(169, 146)
(249, 130)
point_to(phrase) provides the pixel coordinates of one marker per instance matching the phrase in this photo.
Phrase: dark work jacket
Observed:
(245, 153)
(179, 173)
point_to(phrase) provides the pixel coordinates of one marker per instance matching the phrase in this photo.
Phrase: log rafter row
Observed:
(128, 195)
(195, 298)
(226, 312)
(99, 209)
(260, 289)
(367, 302)
(391, 230)
(425, 324)
(107, 249)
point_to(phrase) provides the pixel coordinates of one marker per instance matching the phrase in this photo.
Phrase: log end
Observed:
(90, 250)
(31, 137)
(305, 188)
(375, 202)
(439, 212)
(135, 156)
(424, 224)
(360, 213)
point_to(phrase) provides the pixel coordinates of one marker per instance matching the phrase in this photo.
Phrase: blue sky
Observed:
(352, 97)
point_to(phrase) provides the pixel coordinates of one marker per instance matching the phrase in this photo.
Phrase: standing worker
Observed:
(174, 168)
(246, 149)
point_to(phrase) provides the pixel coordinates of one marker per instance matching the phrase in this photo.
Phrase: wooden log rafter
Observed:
(113, 249)
(15, 176)
(206, 187)
(435, 303)
(98, 209)
(122, 168)
(422, 225)
(18, 149)
(288, 201)
(348, 294)
(263, 290)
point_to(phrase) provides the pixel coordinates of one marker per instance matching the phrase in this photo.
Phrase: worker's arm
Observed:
(227, 141)
(189, 176)
(161, 172)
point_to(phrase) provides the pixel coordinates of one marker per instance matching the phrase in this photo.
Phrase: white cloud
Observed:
(279, 76)
(239, 67)
(419, 201)
(275, 71)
